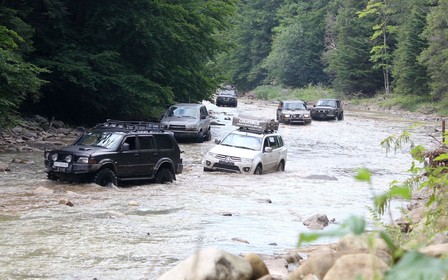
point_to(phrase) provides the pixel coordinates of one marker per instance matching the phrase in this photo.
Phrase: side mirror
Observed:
(125, 147)
(217, 141)
(268, 150)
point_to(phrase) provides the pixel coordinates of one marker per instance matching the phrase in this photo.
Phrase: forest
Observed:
(83, 61)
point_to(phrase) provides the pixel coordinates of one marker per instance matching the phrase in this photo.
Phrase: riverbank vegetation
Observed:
(83, 63)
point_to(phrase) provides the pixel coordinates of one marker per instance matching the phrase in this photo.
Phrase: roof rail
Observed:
(130, 125)
(255, 124)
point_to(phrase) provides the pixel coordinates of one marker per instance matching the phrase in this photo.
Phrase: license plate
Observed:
(60, 164)
(225, 162)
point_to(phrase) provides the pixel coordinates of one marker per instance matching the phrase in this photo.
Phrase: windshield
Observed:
(242, 141)
(330, 103)
(294, 106)
(180, 112)
(109, 140)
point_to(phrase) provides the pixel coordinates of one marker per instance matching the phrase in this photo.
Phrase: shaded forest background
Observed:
(83, 61)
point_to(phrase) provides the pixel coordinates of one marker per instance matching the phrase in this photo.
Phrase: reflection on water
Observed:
(140, 231)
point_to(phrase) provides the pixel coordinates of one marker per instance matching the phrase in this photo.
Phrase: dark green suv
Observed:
(117, 151)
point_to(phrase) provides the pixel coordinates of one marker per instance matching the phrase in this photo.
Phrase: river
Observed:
(141, 231)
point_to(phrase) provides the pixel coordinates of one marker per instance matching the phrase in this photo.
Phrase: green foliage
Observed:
(435, 56)
(298, 43)
(309, 93)
(410, 76)
(126, 59)
(18, 79)
(414, 265)
(348, 60)
(253, 36)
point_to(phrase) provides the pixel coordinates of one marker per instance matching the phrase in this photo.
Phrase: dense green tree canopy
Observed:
(84, 61)
(123, 59)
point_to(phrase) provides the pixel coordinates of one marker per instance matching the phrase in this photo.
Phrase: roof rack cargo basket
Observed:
(255, 124)
(130, 125)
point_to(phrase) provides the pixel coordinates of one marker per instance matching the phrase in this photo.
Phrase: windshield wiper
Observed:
(243, 147)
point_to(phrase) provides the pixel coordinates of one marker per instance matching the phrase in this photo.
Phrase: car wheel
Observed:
(341, 116)
(200, 138)
(164, 175)
(105, 177)
(52, 177)
(209, 135)
(258, 170)
(281, 166)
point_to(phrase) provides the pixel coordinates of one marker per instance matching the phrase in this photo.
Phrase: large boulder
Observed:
(357, 266)
(211, 264)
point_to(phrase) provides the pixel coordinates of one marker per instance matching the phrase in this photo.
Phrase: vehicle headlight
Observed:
(191, 127)
(210, 155)
(54, 157)
(68, 158)
(84, 160)
(306, 115)
(286, 115)
(247, 160)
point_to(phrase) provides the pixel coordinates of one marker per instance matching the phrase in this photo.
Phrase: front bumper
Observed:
(297, 119)
(184, 134)
(70, 168)
(227, 165)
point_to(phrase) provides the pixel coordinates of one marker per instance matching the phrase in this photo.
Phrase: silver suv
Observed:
(188, 122)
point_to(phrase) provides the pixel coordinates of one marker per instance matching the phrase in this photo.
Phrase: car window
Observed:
(280, 141)
(272, 142)
(175, 111)
(294, 106)
(110, 140)
(146, 143)
(163, 141)
(242, 141)
(131, 140)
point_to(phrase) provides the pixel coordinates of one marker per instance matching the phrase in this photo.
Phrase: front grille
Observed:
(228, 158)
(177, 127)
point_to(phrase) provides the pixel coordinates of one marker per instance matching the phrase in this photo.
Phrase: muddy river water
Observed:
(141, 231)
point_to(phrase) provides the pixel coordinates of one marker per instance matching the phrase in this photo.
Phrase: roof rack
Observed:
(130, 125)
(255, 124)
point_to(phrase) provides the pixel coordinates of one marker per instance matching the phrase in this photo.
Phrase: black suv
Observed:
(117, 151)
(327, 109)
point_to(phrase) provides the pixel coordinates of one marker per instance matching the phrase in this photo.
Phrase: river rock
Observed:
(357, 266)
(259, 268)
(438, 250)
(4, 167)
(318, 221)
(213, 264)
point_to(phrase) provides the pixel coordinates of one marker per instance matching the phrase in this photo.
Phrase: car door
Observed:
(204, 119)
(270, 158)
(149, 155)
(128, 162)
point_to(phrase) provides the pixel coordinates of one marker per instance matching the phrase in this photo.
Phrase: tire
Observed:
(105, 177)
(52, 177)
(164, 175)
(341, 116)
(200, 138)
(209, 135)
(281, 166)
(258, 170)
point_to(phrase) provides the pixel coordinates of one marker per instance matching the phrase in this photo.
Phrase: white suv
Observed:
(255, 148)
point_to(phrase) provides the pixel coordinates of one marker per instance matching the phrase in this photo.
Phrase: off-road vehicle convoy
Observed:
(116, 151)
